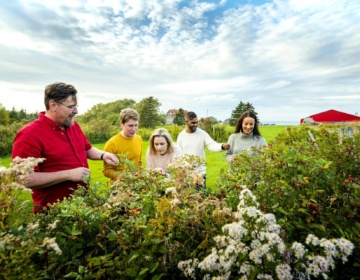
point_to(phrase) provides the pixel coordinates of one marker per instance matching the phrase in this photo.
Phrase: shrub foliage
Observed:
(149, 226)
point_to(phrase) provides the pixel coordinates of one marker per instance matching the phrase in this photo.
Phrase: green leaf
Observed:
(153, 267)
(71, 275)
(143, 271)
(280, 209)
(133, 255)
(76, 232)
(81, 269)
(161, 249)
(112, 235)
(158, 277)
(131, 272)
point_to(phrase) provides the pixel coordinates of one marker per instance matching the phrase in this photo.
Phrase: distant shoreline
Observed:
(269, 123)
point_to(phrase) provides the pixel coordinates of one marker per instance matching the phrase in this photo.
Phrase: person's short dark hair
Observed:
(58, 92)
(191, 115)
(240, 121)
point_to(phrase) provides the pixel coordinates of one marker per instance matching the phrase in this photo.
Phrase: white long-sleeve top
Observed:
(195, 144)
(162, 161)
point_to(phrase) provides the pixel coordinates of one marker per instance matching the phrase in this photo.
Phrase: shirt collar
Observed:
(49, 121)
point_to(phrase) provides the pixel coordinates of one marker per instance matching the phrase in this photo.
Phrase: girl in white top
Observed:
(161, 151)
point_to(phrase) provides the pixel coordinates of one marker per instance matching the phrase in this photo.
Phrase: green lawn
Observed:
(215, 161)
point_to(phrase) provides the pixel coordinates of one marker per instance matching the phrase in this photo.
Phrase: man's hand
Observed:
(225, 146)
(110, 159)
(78, 174)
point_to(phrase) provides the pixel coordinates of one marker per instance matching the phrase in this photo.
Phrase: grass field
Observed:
(214, 161)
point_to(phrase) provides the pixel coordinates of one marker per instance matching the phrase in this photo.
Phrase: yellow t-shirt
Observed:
(118, 144)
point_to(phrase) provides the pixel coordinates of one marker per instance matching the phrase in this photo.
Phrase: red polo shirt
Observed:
(62, 149)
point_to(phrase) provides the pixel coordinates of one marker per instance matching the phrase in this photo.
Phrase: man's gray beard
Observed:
(68, 123)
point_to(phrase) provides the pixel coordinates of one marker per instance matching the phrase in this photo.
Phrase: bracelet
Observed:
(222, 147)
(102, 156)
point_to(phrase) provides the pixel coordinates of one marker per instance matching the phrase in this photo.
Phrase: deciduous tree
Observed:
(4, 116)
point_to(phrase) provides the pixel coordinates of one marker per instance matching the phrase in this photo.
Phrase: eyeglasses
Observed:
(70, 107)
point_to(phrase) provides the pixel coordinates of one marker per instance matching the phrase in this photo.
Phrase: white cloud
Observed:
(288, 58)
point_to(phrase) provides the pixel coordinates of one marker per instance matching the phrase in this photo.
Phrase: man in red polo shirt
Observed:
(56, 137)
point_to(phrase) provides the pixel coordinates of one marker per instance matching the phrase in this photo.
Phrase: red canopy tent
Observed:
(333, 116)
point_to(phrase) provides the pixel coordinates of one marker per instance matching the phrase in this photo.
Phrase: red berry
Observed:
(314, 212)
(310, 204)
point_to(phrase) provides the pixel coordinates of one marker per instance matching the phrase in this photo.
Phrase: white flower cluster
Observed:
(31, 226)
(175, 196)
(334, 248)
(254, 240)
(16, 175)
(186, 169)
(53, 225)
(50, 243)
(188, 267)
(7, 241)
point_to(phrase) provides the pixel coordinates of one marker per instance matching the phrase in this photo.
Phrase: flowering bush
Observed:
(140, 227)
(312, 187)
(12, 181)
(253, 247)
(145, 224)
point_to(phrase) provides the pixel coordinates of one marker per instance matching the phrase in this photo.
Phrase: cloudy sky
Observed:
(289, 58)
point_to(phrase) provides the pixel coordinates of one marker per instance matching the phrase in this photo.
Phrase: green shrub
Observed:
(174, 130)
(7, 135)
(99, 131)
(311, 187)
(144, 133)
(145, 224)
(139, 228)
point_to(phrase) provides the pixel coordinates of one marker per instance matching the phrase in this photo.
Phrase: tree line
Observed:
(148, 109)
(14, 116)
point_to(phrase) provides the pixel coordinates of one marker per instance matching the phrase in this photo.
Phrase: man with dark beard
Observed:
(193, 141)
(56, 137)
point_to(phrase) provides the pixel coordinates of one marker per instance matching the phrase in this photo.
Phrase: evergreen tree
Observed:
(148, 109)
(179, 117)
(242, 107)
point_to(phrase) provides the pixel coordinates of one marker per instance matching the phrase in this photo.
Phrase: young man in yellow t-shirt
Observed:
(125, 142)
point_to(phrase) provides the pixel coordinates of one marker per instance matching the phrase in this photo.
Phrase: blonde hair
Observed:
(128, 114)
(161, 132)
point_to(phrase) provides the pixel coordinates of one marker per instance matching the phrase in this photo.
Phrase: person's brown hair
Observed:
(58, 92)
(128, 114)
(247, 114)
